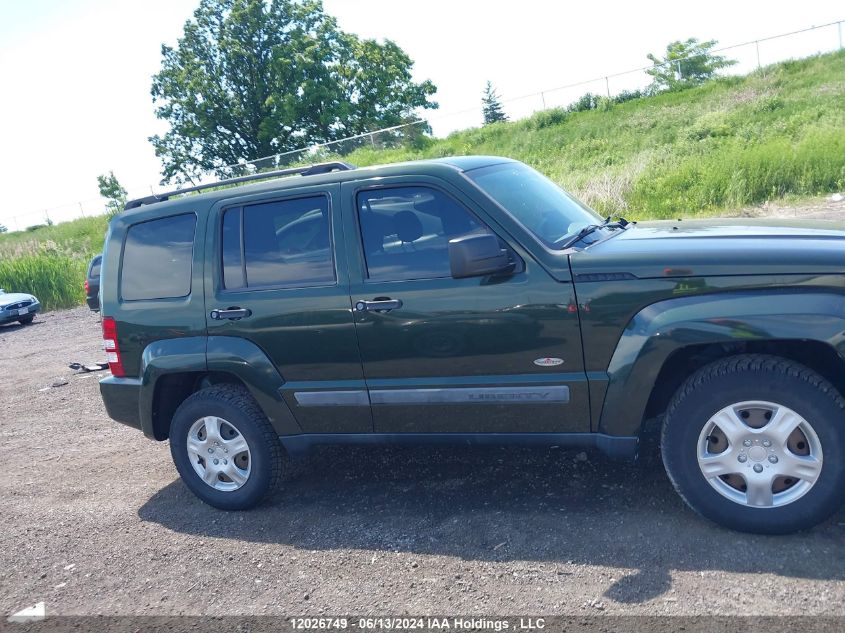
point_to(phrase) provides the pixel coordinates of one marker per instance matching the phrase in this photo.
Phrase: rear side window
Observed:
(281, 243)
(157, 258)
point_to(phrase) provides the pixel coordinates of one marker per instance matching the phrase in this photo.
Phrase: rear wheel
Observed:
(756, 444)
(225, 448)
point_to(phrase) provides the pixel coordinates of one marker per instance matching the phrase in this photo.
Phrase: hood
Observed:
(7, 298)
(696, 248)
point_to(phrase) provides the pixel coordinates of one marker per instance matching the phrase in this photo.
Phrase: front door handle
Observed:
(218, 314)
(378, 305)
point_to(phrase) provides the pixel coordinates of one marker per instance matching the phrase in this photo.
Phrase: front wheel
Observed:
(756, 443)
(225, 448)
(27, 319)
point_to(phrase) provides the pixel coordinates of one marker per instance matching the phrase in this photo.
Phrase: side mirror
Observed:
(476, 255)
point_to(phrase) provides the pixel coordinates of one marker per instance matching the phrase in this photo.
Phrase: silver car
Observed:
(17, 306)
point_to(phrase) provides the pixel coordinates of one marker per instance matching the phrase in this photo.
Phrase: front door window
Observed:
(406, 232)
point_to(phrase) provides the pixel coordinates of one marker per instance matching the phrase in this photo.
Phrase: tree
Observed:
(3, 229)
(491, 106)
(254, 78)
(113, 192)
(686, 64)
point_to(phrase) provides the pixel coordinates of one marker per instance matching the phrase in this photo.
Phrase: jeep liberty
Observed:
(472, 300)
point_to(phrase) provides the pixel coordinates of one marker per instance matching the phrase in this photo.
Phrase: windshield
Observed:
(536, 202)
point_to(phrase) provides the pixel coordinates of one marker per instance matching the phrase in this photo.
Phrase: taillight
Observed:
(86, 286)
(111, 347)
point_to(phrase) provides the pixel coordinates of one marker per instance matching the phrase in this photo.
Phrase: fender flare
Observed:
(236, 356)
(662, 328)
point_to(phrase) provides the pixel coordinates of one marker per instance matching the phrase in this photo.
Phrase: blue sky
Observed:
(76, 73)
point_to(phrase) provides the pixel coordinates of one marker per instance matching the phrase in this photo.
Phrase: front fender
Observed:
(664, 327)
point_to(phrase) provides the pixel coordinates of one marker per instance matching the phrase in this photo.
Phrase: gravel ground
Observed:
(96, 521)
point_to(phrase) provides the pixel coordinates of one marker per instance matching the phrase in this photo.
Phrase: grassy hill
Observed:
(724, 145)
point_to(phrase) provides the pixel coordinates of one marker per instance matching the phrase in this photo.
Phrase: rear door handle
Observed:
(378, 305)
(218, 314)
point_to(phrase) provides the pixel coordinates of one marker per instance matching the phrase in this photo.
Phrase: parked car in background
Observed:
(17, 306)
(92, 283)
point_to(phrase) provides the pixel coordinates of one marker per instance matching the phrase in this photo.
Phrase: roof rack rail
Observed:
(307, 170)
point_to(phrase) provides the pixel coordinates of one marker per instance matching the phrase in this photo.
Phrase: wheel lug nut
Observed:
(742, 458)
(773, 459)
(767, 443)
(746, 443)
(216, 461)
(210, 450)
(758, 468)
(225, 461)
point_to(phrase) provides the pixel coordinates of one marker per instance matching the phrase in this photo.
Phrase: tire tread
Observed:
(726, 367)
(238, 397)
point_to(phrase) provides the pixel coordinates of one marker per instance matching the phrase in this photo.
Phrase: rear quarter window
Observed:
(157, 258)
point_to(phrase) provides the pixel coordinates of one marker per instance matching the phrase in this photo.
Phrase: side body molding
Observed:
(231, 355)
(667, 326)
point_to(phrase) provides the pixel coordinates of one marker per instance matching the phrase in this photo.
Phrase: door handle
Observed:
(218, 314)
(378, 305)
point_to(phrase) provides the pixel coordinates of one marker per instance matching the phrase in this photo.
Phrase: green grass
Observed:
(729, 143)
(51, 261)
(55, 279)
(733, 142)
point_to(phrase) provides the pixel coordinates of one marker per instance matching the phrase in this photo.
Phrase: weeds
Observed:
(55, 279)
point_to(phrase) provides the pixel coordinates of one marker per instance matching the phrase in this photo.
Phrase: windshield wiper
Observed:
(591, 228)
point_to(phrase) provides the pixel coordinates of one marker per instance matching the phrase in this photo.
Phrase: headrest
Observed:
(408, 226)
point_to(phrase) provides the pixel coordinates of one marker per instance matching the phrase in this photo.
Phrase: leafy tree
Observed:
(686, 64)
(587, 101)
(491, 106)
(113, 192)
(3, 229)
(253, 78)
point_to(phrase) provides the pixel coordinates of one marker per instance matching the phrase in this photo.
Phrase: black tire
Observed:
(27, 319)
(267, 457)
(755, 378)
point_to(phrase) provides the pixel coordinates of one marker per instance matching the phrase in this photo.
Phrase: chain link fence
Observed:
(750, 56)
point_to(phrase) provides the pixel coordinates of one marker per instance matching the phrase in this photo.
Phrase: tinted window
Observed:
(285, 243)
(406, 231)
(540, 205)
(157, 258)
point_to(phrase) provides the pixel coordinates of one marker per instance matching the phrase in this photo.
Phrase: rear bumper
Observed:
(121, 397)
(10, 316)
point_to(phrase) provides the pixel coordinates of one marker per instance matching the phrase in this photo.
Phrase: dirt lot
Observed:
(95, 521)
(826, 208)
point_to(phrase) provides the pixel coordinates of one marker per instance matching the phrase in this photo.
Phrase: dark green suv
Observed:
(471, 300)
